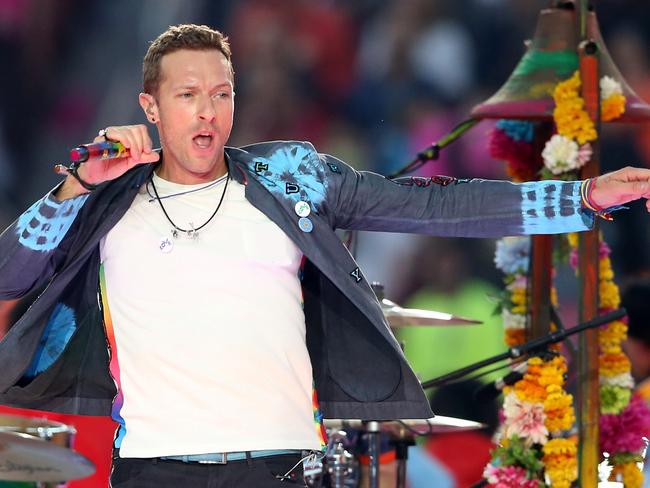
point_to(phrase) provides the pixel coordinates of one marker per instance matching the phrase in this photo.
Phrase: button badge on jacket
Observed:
(302, 209)
(305, 224)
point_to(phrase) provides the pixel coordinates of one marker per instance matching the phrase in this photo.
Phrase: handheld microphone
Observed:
(98, 150)
(490, 391)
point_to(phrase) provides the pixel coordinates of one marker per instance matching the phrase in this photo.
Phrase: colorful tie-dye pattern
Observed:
(318, 416)
(58, 331)
(113, 365)
(43, 226)
(318, 419)
(551, 207)
(295, 164)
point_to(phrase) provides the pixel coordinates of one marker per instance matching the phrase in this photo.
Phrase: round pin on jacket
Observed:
(166, 245)
(302, 209)
(305, 224)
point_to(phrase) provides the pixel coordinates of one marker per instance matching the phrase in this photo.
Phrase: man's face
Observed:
(193, 110)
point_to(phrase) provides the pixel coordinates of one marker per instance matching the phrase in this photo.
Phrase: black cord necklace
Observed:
(191, 233)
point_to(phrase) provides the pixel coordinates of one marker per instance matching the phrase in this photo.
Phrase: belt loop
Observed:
(249, 459)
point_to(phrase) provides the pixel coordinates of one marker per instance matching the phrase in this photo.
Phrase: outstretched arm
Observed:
(445, 206)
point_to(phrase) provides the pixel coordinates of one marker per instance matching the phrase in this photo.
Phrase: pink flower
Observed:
(584, 154)
(518, 154)
(508, 477)
(624, 432)
(573, 258)
(603, 252)
(525, 420)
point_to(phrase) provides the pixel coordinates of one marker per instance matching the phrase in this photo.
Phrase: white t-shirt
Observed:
(207, 336)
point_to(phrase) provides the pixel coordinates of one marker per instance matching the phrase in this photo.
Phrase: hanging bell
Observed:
(551, 57)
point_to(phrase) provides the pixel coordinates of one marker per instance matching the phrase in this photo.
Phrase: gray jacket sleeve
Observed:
(34, 246)
(444, 206)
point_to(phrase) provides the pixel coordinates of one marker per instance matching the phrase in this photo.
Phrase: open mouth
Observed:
(203, 140)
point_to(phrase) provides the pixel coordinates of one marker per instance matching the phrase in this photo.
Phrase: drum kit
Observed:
(37, 453)
(339, 468)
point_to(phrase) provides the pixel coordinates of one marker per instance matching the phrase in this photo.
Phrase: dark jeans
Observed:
(164, 473)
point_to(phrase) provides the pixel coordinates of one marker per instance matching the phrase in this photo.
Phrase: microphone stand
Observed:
(527, 348)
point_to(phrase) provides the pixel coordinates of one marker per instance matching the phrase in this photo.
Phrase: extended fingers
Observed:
(135, 138)
(631, 173)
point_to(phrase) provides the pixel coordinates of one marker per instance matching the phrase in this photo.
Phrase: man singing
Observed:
(233, 315)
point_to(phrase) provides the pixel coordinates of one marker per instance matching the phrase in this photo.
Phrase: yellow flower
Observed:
(530, 391)
(561, 463)
(613, 107)
(605, 271)
(558, 446)
(632, 477)
(554, 299)
(613, 364)
(609, 296)
(515, 337)
(610, 337)
(573, 239)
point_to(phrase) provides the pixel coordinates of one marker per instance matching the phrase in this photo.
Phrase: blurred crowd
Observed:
(370, 81)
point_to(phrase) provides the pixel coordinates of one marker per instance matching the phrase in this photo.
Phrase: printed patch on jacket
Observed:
(294, 172)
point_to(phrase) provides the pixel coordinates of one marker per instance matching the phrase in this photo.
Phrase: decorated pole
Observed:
(541, 257)
(588, 377)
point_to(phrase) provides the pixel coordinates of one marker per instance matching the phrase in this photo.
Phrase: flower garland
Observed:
(537, 410)
(625, 418)
(623, 422)
(512, 141)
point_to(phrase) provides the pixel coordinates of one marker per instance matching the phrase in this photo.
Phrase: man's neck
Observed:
(180, 175)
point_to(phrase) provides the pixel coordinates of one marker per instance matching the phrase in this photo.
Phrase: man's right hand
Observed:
(134, 137)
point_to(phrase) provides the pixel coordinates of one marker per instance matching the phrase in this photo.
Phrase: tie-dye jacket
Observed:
(56, 356)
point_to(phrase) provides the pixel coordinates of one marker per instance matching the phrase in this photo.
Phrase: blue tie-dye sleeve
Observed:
(44, 225)
(27, 246)
(444, 206)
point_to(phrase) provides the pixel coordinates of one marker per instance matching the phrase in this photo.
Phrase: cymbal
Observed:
(404, 428)
(405, 317)
(27, 458)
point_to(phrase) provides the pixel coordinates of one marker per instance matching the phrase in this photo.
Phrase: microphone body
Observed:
(98, 150)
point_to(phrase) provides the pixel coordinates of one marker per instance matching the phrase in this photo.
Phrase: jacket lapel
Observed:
(321, 246)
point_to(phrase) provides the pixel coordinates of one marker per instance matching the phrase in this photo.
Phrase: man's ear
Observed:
(149, 106)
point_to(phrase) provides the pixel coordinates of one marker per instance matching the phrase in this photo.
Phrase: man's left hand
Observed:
(622, 186)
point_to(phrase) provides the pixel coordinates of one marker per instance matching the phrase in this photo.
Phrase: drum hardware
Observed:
(402, 433)
(537, 345)
(47, 430)
(342, 467)
(373, 430)
(408, 317)
(37, 453)
(401, 455)
(336, 469)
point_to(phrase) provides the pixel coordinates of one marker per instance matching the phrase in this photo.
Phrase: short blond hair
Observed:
(176, 37)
